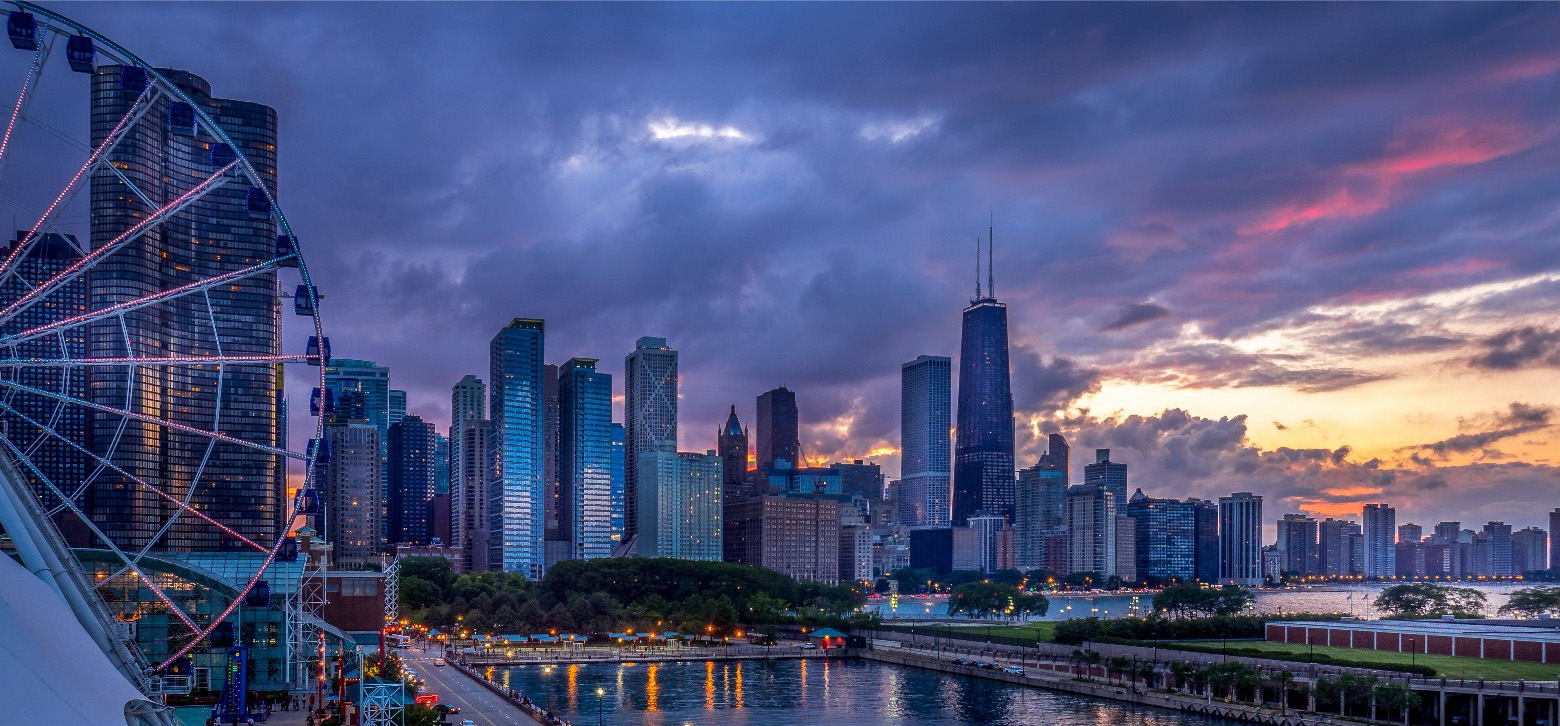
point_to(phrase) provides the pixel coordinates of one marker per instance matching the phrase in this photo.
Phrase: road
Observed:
(454, 688)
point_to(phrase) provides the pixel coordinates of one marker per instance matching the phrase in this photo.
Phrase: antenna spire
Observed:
(977, 268)
(991, 281)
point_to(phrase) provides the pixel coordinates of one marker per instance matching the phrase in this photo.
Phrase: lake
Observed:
(811, 693)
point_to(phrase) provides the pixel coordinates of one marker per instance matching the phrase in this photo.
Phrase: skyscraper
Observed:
(1529, 548)
(619, 473)
(39, 420)
(1039, 510)
(396, 405)
(552, 476)
(983, 451)
(1341, 548)
(468, 402)
(1165, 538)
(515, 399)
(1108, 475)
(1240, 539)
(778, 429)
(585, 458)
(649, 414)
(1207, 539)
(1297, 541)
(1554, 539)
(412, 478)
(371, 381)
(732, 443)
(925, 425)
(1410, 533)
(480, 489)
(1091, 531)
(350, 482)
(1059, 455)
(243, 487)
(1499, 534)
(1380, 524)
(680, 510)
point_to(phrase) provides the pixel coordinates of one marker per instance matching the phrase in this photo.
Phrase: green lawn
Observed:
(1444, 665)
(1030, 631)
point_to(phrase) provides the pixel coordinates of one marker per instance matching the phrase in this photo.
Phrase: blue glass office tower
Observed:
(515, 495)
(371, 382)
(983, 445)
(925, 422)
(619, 480)
(585, 458)
(1165, 537)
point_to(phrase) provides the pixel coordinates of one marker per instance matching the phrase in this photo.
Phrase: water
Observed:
(811, 693)
(1319, 599)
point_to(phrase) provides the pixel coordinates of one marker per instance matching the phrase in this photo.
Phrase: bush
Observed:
(1234, 627)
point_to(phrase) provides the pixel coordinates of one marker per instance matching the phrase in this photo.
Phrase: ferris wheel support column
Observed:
(43, 552)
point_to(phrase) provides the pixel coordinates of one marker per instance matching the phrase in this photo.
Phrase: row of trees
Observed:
(1348, 695)
(643, 594)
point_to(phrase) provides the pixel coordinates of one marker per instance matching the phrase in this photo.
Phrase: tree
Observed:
(1395, 698)
(1190, 599)
(1419, 599)
(1532, 602)
(980, 598)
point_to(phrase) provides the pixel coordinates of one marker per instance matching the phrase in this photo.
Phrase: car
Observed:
(963, 662)
(468, 722)
(809, 646)
(1015, 670)
(438, 661)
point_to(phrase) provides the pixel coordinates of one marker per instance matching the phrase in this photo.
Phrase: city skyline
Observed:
(1407, 296)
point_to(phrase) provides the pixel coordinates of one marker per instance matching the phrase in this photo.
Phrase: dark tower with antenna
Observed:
(983, 474)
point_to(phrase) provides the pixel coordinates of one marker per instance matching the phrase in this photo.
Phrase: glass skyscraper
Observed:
(515, 497)
(585, 458)
(925, 428)
(412, 481)
(983, 450)
(1165, 538)
(1240, 539)
(649, 414)
(619, 472)
(371, 382)
(242, 487)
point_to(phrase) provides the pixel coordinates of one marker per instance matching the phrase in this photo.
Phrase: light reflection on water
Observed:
(814, 693)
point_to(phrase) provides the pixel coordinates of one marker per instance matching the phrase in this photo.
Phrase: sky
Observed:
(1308, 251)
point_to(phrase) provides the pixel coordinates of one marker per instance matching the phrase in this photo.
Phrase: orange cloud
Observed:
(1352, 491)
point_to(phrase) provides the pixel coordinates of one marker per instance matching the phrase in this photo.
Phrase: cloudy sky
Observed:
(1305, 250)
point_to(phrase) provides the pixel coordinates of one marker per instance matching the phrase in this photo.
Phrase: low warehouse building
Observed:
(1464, 638)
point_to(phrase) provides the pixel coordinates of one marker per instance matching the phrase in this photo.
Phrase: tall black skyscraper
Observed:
(983, 444)
(239, 486)
(778, 437)
(411, 481)
(1058, 455)
(732, 441)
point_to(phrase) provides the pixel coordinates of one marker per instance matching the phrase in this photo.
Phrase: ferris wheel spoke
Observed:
(153, 420)
(193, 360)
(184, 505)
(27, 89)
(199, 286)
(132, 116)
(129, 563)
(195, 194)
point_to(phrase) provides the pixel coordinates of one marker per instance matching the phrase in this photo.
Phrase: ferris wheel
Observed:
(146, 336)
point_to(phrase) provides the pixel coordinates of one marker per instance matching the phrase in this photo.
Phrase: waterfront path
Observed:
(784, 651)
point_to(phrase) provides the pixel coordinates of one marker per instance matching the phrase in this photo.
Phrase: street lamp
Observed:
(601, 701)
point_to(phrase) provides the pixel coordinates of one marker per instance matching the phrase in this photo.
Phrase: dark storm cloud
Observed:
(1519, 348)
(805, 215)
(1216, 365)
(1135, 314)
(1520, 418)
